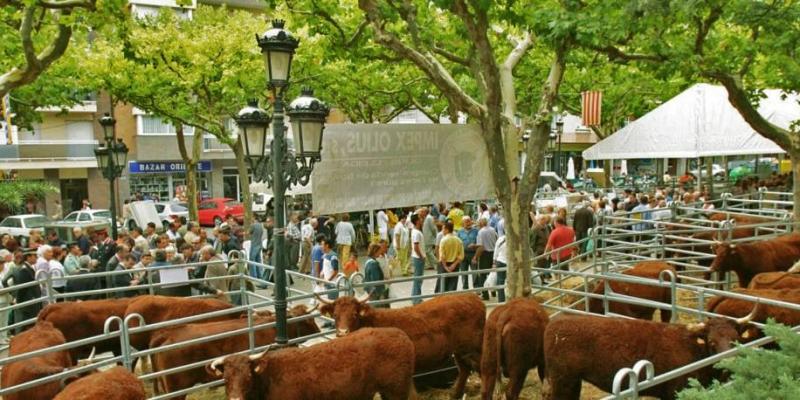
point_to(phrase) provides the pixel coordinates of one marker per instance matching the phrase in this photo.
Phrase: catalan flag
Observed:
(591, 107)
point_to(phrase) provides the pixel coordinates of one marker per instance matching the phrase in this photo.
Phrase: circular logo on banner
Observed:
(464, 165)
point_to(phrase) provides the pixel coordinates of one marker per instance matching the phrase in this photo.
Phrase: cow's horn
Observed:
(88, 361)
(322, 300)
(363, 298)
(749, 317)
(214, 366)
(254, 357)
(310, 310)
(696, 327)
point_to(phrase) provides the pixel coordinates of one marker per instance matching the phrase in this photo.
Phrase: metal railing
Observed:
(618, 245)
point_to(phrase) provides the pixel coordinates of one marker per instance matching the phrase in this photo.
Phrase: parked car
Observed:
(262, 203)
(716, 171)
(212, 212)
(21, 225)
(64, 229)
(87, 215)
(170, 211)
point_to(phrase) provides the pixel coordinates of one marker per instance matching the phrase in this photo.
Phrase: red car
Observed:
(212, 212)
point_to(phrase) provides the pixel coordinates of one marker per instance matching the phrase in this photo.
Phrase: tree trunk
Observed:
(244, 183)
(795, 154)
(191, 169)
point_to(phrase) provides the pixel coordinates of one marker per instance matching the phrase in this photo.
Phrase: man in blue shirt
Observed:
(330, 267)
(316, 255)
(469, 237)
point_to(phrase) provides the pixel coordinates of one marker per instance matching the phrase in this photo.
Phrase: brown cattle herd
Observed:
(379, 350)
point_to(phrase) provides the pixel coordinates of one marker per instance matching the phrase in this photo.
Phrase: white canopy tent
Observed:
(293, 190)
(699, 122)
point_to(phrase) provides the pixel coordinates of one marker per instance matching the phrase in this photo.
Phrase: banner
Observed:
(591, 107)
(371, 167)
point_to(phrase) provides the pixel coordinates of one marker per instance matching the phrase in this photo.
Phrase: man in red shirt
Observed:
(560, 238)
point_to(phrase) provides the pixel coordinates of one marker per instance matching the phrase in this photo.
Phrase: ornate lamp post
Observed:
(551, 148)
(111, 158)
(559, 133)
(268, 154)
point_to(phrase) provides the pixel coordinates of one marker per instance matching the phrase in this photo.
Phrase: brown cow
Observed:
(114, 384)
(594, 348)
(737, 308)
(512, 345)
(156, 309)
(220, 347)
(749, 259)
(354, 367)
(644, 269)
(442, 327)
(41, 336)
(775, 280)
(83, 319)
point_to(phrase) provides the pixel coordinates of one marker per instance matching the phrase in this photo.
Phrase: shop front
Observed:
(166, 180)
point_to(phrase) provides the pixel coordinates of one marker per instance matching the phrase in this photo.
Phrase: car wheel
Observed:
(217, 221)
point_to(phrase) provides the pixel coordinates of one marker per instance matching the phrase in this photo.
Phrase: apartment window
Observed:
(153, 125)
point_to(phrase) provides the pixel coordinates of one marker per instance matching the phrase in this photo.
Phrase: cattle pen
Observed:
(619, 242)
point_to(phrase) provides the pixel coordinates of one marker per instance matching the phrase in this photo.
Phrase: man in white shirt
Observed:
(418, 256)
(383, 225)
(501, 261)
(345, 236)
(307, 233)
(400, 242)
(484, 252)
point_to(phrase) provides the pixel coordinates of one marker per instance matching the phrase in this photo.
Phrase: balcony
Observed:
(44, 154)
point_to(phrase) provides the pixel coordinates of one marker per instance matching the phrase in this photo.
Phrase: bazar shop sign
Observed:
(164, 167)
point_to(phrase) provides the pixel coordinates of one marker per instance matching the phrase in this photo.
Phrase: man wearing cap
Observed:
(226, 242)
(23, 275)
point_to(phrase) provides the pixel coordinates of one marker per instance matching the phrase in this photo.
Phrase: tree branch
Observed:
(615, 54)
(452, 57)
(67, 4)
(422, 109)
(703, 27)
(738, 98)
(432, 68)
(35, 64)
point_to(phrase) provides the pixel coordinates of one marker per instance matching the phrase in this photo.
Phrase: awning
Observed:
(700, 122)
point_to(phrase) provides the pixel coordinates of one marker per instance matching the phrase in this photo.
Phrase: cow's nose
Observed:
(341, 332)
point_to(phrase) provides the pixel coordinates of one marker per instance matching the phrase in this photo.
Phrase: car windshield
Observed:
(258, 198)
(178, 208)
(160, 208)
(102, 214)
(73, 216)
(36, 222)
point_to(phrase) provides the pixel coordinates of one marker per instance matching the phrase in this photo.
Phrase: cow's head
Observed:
(305, 327)
(346, 311)
(718, 334)
(726, 255)
(240, 373)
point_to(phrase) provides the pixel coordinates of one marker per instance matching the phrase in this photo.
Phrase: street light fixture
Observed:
(559, 134)
(270, 158)
(111, 158)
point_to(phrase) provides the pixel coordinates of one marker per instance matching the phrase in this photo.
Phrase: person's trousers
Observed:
(430, 257)
(305, 260)
(501, 281)
(3, 321)
(344, 253)
(446, 284)
(293, 255)
(464, 267)
(419, 270)
(484, 264)
(403, 255)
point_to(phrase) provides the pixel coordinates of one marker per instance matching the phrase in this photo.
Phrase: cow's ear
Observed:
(326, 310)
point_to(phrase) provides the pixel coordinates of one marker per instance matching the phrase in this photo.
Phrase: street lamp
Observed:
(559, 133)
(267, 152)
(111, 158)
(551, 148)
